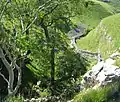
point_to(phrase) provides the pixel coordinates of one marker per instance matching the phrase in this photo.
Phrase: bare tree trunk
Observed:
(10, 69)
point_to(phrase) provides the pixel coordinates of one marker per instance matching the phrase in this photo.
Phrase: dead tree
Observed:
(10, 65)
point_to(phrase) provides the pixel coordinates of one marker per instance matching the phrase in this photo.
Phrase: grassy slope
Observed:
(104, 94)
(94, 13)
(99, 38)
(116, 5)
(106, 36)
(92, 17)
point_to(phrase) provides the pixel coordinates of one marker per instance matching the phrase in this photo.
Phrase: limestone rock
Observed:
(110, 61)
(102, 73)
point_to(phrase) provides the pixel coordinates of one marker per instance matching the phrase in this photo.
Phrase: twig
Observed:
(22, 25)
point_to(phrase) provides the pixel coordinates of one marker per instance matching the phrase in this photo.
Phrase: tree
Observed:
(39, 26)
(10, 68)
(57, 13)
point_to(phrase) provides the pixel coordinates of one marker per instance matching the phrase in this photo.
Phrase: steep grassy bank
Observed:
(96, 11)
(105, 94)
(105, 37)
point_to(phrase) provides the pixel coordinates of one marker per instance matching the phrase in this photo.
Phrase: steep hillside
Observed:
(105, 37)
(104, 94)
(96, 11)
(115, 4)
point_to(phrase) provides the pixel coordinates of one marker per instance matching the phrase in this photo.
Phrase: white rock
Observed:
(98, 66)
(116, 54)
(27, 100)
(33, 100)
(101, 74)
(37, 100)
(101, 77)
(110, 61)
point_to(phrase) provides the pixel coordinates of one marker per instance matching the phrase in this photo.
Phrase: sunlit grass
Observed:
(103, 94)
(105, 37)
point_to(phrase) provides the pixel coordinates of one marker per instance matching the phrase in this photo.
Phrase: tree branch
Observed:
(19, 79)
(7, 65)
(42, 23)
(30, 24)
(10, 71)
(39, 8)
(62, 18)
(2, 12)
(42, 7)
(4, 77)
(49, 12)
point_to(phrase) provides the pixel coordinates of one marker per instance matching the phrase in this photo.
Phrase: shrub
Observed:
(14, 99)
(106, 94)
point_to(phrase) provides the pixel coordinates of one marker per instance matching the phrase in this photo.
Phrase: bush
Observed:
(106, 94)
(14, 99)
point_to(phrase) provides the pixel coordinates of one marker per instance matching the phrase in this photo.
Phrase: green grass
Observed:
(115, 4)
(106, 37)
(93, 14)
(107, 6)
(104, 94)
(117, 63)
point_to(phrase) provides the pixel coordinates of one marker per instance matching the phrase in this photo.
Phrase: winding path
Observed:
(73, 44)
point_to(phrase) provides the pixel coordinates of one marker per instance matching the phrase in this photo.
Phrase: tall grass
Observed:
(109, 93)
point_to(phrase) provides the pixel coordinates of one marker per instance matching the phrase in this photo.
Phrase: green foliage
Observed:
(104, 94)
(71, 65)
(91, 96)
(69, 69)
(117, 63)
(14, 99)
(117, 60)
(40, 26)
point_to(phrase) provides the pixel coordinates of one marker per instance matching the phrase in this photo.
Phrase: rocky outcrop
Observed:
(102, 73)
(76, 33)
